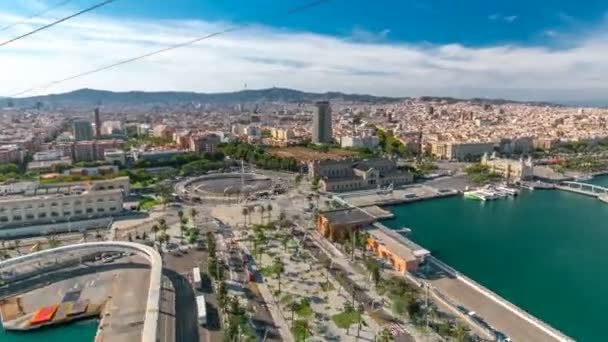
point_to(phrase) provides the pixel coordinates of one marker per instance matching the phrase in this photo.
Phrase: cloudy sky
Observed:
(537, 50)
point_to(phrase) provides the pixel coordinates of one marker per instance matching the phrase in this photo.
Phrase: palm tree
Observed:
(340, 278)
(261, 240)
(193, 214)
(182, 230)
(52, 241)
(284, 241)
(269, 210)
(360, 311)
(282, 219)
(85, 235)
(155, 229)
(327, 265)
(17, 244)
(376, 276)
(279, 268)
(459, 332)
(244, 212)
(293, 307)
(162, 225)
(384, 336)
(262, 210)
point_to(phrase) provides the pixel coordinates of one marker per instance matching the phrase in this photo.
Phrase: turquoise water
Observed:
(83, 331)
(545, 251)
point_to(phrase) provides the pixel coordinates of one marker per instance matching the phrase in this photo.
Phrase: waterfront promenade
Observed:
(496, 311)
(491, 308)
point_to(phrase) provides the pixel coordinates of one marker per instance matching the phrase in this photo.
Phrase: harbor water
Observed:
(82, 331)
(546, 251)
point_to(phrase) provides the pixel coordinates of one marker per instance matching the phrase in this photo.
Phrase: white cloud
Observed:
(500, 17)
(265, 57)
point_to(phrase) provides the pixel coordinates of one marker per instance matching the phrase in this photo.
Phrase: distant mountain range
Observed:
(92, 97)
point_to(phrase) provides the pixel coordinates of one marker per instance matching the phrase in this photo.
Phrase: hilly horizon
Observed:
(87, 96)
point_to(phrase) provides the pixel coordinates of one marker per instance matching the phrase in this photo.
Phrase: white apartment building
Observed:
(114, 156)
(370, 141)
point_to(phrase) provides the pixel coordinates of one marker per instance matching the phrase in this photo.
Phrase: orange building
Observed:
(395, 252)
(337, 225)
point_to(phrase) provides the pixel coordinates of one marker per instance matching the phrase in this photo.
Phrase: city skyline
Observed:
(562, 62)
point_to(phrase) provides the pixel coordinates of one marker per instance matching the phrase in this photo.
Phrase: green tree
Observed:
(262, 209)
(269, 211)
(384, 336)
(459, 332)
(164, 191)
(279, 268)
(155, 229)
(245, 212)
(193, 214)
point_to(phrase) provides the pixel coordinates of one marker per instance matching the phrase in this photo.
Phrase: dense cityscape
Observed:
(449, 206)
(187, 179)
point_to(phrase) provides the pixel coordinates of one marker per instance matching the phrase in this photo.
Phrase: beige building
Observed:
(204, 143)
(460, 150)
(351, 175)
(282, 133)
(512, 170)
(48, 205)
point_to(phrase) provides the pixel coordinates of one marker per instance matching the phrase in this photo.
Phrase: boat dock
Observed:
(538, 185)
(378, 213)
(583, 189)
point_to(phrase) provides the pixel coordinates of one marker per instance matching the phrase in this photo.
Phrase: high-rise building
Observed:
(321, 124)
(82, 130)
(97, 124)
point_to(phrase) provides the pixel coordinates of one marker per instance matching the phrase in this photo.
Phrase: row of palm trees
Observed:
(250, 209)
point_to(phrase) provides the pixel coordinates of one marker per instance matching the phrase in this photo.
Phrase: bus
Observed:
(202, 310)
(196, 278)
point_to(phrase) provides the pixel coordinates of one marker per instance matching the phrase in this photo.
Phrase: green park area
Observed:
(481, 174)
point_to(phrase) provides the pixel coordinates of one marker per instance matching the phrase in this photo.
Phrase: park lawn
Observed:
(345, 319)
(304, 311)
(147, 203)
(268, 271)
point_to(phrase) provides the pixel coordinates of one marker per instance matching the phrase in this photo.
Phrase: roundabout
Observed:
(227, 185)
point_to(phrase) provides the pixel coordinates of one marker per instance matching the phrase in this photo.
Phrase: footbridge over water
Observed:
(584, 189)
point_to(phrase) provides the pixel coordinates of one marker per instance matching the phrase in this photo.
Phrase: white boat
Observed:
(583, 178)
(480, 195)
(509, 191)
(489, 194)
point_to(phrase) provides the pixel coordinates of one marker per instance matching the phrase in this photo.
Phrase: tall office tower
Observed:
(321, 124)
(82, 130)
(97, 124)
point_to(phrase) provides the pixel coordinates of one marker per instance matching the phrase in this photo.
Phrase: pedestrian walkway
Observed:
(271, 304)
(374, 302)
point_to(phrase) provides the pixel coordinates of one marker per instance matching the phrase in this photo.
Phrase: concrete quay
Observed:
(455, 289)
(411, 193)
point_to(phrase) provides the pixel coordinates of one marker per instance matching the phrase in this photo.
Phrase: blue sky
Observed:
(541, 50)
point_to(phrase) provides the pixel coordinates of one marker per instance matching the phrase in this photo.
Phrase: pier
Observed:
(596, 191)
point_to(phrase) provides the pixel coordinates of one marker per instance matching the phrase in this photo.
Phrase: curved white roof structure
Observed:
(150, 329)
